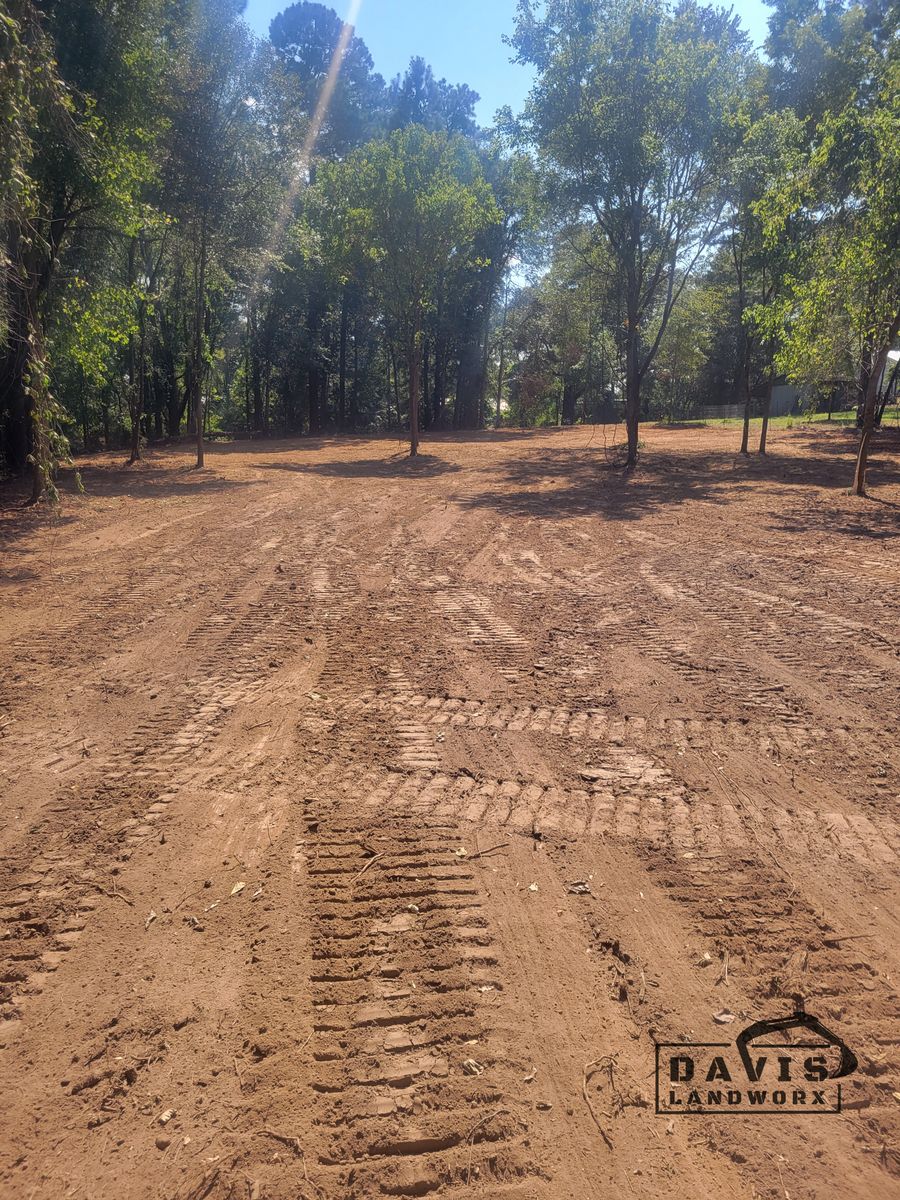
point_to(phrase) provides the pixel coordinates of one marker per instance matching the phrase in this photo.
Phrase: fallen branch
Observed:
(374, 858)
(590, 1070)
(187, 896)
(489, 850)
(113, 894)
(292, 1143)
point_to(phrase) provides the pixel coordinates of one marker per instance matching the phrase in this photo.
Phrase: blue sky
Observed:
(461, 39)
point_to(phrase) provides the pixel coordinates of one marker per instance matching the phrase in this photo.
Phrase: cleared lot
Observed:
(301, 758)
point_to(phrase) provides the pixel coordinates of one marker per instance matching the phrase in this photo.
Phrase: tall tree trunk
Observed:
(342, 368)
(485, 357)
(469, 384)
(440, 361)
(135, 366)
(248, 410)
(437, 398)
(393, 366)
(259, 416)
(414, 367)
(875, 371)
(354, 391)
(42, 462)
(862, 383)
(767, 409)
(312, 401)
(502, 362)
(426, 408)
(291, 394)
(255, 368)
(29, 273)
(314, 374)
(500, 367)
(632, 392)
(157, 406)
(748, 400)
(28, 277)
(198, 370)
(568, 406)
(84, 413)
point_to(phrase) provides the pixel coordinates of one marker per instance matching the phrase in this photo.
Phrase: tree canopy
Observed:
(206, 233)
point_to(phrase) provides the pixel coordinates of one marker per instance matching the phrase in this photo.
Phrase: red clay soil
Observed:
(302, 754)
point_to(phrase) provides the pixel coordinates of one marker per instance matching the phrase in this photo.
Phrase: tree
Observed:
(474, 287)
(844, 270)
(683, 353)
(234, 139)
(420, 99)
(769, 147)
(415, 202)
(312, 41)
(80, 149)
(824, 54)
(632, 113)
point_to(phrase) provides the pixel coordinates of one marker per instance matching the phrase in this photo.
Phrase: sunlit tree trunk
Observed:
(632, 392)
(767, 409)
(198, 372)
(135, 369)
(414, 367)
(748, 403)
(871, 403)
(354, 391)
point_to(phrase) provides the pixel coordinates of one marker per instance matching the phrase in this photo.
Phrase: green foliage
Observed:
(411, 203)
(96, 324)
(634, 115)
(196, 221)
(842, 299)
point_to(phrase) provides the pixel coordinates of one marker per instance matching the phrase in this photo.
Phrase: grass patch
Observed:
(845, 419)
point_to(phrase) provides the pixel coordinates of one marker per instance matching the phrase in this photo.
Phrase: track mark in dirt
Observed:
(52, 883)
(417, 745)
(619, 685)
(599, 724)
(627, 792)
(408, 1083)
(474, 619)
(629, 798)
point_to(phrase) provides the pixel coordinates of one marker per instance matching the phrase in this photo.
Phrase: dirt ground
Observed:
(302, 754)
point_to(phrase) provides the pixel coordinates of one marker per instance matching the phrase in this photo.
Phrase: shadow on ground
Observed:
(557, 484)
(398, 466)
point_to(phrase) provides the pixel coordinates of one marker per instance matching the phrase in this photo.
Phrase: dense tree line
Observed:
(205, 232)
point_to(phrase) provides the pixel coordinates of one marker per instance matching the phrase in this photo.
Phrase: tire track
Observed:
(408, 1079)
